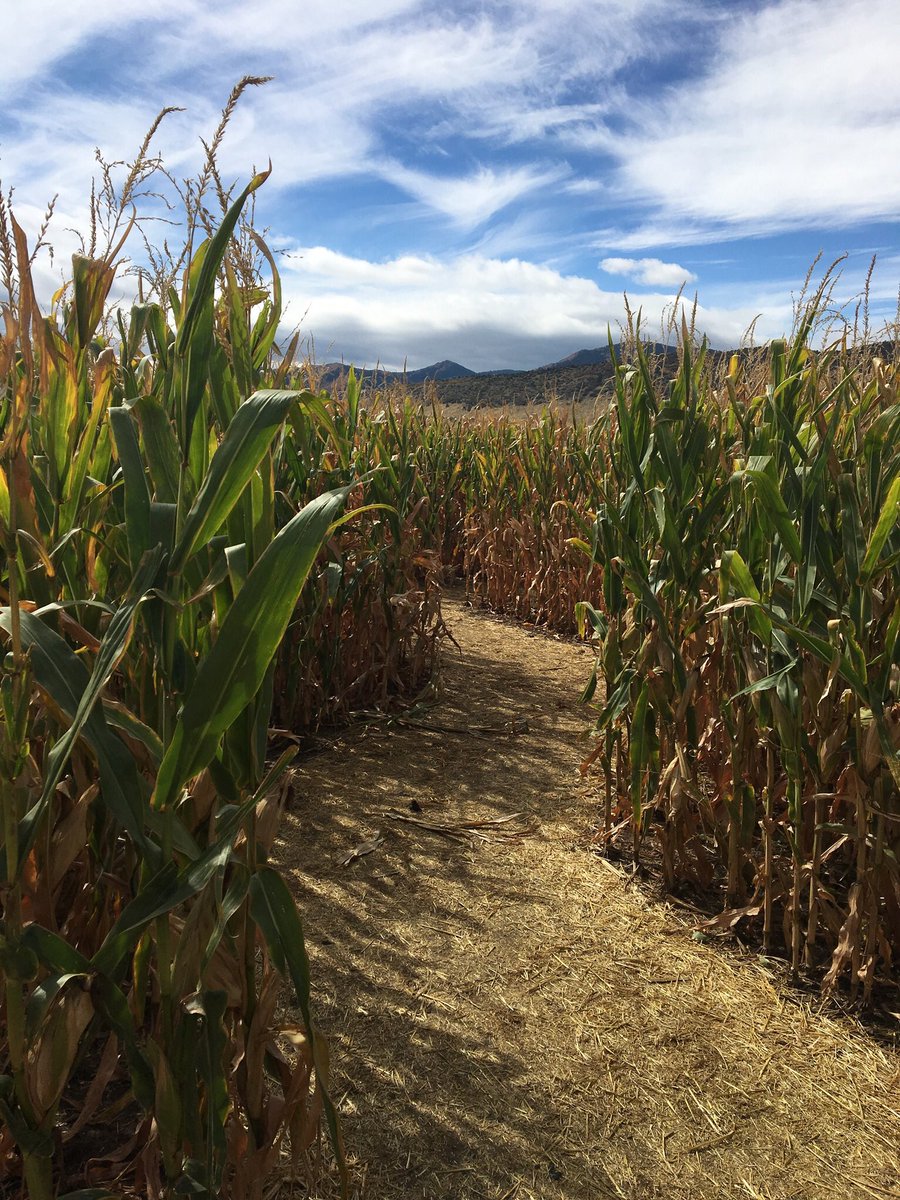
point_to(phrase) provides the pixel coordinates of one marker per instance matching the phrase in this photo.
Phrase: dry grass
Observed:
(509, 1020)
(585, 411)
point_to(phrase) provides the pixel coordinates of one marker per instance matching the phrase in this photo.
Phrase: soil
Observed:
(508, 1017)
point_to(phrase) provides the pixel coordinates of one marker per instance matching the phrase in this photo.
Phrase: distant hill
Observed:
(584, 358)
(590, 358)
(540, 386)
(333, 374)
(442, 370)
(580, 376)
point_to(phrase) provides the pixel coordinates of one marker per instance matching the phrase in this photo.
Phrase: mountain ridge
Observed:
(449, 369)
(581, 375)
(584, 375)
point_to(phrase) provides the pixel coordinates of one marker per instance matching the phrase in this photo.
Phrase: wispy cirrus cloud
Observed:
(471, 200)
(46, 32)
(796, 120)
(353, 86)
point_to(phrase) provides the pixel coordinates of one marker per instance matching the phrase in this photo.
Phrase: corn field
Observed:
(197, 551)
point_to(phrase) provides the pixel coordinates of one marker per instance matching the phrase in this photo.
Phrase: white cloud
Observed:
(798, 121)
(483, 312)
(471, 200)
(39, 34)
(651, 271)
(349, 77)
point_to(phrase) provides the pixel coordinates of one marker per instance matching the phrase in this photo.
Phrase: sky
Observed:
(485, 181)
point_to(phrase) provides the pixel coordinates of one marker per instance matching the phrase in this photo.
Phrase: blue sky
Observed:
(483, 180)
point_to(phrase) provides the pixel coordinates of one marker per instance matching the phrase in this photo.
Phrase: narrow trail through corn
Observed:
(508, 1019)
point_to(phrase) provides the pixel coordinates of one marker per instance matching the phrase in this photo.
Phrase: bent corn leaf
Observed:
(233, 671)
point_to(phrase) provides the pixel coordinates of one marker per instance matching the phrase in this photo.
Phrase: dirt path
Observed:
(508, 1020)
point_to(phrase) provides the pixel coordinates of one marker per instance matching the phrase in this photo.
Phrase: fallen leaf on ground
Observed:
(361, 850)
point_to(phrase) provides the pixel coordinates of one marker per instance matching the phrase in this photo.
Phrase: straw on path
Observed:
(507, 1019)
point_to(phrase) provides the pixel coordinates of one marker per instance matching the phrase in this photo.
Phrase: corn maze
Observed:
(197, 552)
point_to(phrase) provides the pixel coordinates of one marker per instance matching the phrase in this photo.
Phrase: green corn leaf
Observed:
(168, 889)
(209, 1008)
(239, 328)
(195, 357)
(233, 671)
(639, 750)
(640, 586)
(112, 648)
(618, 701)
(60, 959)
(39, 1143)
(137, 494)
(63, 676)
(234, 897)
(275, 912)
(60, 411)
(818, 646)
(78, 472)
(91, 1194)
(586, 614)
(160, 447)
(194, 342)
(120, 718)
(765, 684)
(41, 1000)
(658, 501)
(590, 688)
(92, 279)
(167, 1107)
(887, 519)
(775, 509)
(212, 261)
(244, 445)
(806, 569)
(851, 527)
(265, 331)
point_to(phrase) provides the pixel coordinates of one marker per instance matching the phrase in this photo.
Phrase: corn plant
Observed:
(748, 644)
(145, 935)
(369, 629)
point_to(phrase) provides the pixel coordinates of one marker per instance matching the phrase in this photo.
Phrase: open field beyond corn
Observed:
(509, 1019)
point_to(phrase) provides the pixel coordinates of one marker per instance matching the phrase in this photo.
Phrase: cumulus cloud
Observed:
(483, 312)
(651, 271)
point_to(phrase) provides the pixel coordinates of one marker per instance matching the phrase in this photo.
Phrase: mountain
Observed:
(442, 370)
(495, 389)
(334, 373)
(583, 358)
(589, 358)
(583, 375)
